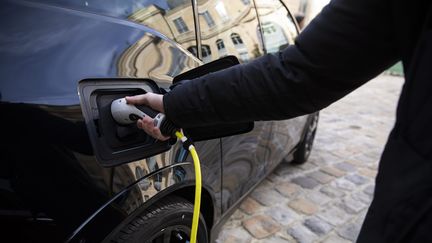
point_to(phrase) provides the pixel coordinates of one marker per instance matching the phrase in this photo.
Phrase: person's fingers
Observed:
(155, 101)
(137, 99)
(140, 124)
(147, 124)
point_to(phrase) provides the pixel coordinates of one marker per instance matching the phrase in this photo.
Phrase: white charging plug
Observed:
(124, 113)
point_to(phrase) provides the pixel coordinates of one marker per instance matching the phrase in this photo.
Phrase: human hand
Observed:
(154, 101)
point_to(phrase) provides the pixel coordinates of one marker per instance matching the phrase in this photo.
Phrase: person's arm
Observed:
(349, 43)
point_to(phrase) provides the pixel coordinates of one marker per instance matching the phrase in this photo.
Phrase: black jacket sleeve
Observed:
(349, 43)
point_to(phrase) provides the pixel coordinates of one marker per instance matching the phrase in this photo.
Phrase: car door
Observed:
(279, 30)
(230, 28)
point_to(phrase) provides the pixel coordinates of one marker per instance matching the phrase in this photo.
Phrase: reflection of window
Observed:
(193, 50)
(246, 2)
(268, 28)
(206, 53)
(180, 25)
(208, 18)
(220, 8)
(220, 44)
(244, 56)
(236, 39)
(221, 48)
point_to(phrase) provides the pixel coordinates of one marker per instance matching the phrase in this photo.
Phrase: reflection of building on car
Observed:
(233, 30)
(53, 187)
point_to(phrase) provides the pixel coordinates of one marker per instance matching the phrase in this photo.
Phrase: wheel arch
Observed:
(185, 191)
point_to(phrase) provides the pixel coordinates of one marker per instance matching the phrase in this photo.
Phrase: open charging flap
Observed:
(116, 144)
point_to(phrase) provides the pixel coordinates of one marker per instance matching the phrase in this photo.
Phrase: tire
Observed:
(304, 148)
(169, 220)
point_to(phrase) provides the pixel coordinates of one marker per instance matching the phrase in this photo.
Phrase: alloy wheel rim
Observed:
(174, 234)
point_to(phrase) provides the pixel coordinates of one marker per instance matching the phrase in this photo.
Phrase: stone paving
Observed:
(325, 199)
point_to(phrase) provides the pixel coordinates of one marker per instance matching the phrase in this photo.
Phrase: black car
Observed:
(69, 173)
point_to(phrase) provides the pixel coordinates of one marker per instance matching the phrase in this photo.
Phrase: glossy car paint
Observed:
(52, 187)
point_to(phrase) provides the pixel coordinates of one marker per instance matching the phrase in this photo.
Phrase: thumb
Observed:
(137, 99)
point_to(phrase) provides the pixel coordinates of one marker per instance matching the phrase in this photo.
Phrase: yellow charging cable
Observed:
(197, 203)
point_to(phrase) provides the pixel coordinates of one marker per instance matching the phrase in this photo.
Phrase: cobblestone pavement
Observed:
(325, 199)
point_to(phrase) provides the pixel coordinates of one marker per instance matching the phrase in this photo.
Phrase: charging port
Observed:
(112, 142)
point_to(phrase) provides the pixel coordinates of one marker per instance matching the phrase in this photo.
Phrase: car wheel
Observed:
(304, 148)
(169, 220)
